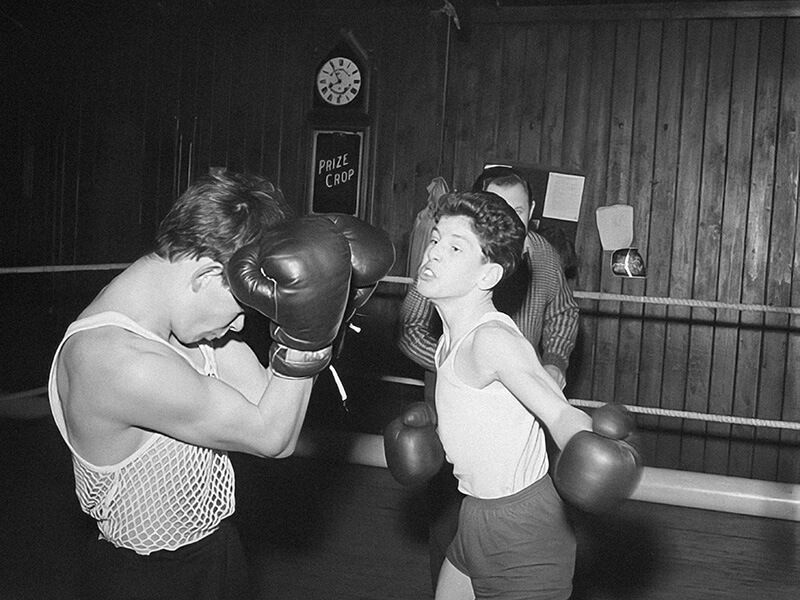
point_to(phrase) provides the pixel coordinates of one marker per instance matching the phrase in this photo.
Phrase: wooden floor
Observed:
(330, 531)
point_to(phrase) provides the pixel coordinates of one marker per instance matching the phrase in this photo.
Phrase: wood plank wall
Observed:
(692, 121)
(690, 116)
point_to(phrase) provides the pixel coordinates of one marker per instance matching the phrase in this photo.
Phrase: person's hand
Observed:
(597, 470)
(557, 375)
(298, 275)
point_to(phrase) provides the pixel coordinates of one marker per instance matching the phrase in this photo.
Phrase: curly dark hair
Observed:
(218, 214)
(498, 227)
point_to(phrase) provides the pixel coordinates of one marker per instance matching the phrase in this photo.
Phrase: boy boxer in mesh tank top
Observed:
(151, 385)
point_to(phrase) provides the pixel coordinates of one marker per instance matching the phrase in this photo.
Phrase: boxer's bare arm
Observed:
(117, 387)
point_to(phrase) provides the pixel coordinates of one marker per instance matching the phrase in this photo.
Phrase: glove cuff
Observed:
(289, 363)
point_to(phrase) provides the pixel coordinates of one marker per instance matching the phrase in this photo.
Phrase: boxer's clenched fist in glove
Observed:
(298, 275)
(371, 257)
(413, 450)
(599, 469)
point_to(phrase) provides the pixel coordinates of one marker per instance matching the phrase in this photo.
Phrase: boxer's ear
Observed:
(492, 274)
(207, 269)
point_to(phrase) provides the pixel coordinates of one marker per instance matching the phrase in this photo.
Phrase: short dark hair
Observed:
(218, 214)
(498, 227)
(501, 176)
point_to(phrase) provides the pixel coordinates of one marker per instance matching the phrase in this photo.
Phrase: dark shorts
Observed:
(212, 568)
(518, 547)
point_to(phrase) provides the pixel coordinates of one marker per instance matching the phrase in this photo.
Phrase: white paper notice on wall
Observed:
(563, 197)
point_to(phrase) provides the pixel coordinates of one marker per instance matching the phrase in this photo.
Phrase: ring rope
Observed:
(695, 416)
(791, 310)
(788, 310)
(63, 268)
(646, 410)
(25, 394)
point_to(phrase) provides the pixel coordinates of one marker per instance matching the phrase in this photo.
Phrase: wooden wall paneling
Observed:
(450, 39)
(385, 121)
(643, 136)
(588, 248)
(239, 99)
(74, 131)
(707, 248)
(150, 141)
(781, 237)
(418, 82)
(156, 145)
(199, 100)
(428, 104)
(576, 127)
(749, 369)
(488, 43)
(466, 83)
(297, 78)
(662, 217)
(514, 93)
(684, 259)
(783, 254)
(734, 223)
(272, 90)
(219, 99)
(555, 94)
(110, 216)
(616, 190)
(534, 78)
(576, 109)
(251, 88)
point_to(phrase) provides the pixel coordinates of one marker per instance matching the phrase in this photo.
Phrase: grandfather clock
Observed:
(339, 128)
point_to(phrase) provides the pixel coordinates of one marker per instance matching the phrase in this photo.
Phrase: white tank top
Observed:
(495, 444)
(165, 495)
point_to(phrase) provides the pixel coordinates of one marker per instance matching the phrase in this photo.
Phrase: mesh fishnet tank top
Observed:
(165, 495)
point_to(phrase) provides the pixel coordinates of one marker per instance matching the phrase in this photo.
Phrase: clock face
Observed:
(338, 81)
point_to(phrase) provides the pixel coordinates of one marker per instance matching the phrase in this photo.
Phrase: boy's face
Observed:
(453, 263)
(212, 310)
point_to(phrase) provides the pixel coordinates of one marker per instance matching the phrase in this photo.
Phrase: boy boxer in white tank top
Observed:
(492, 397)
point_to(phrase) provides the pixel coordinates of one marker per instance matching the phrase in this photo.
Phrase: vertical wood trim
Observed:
(554, 94)
(639, 196)
(662, 215)
(684, 256)
(488, 99)
(707, 249)
(577, 100)
(588, 240)
(756, 254)
(783, 255)
(535, 82)
(512, 100)
(616, 192)
(734, 221)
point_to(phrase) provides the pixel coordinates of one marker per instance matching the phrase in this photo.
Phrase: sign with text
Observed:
(336, 178)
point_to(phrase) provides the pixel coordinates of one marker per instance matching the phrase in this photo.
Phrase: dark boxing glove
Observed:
(413, 450)
(372, 255)
(298, 275)
(597, 470)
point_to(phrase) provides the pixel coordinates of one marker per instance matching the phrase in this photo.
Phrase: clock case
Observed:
(352, 113)
(352, 119)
